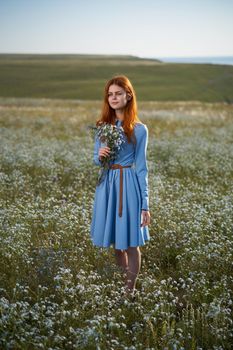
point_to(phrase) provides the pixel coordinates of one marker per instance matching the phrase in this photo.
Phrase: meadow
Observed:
(58, 291)
(83, 77)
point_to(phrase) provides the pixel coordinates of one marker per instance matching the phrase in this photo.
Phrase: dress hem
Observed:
(112, 245)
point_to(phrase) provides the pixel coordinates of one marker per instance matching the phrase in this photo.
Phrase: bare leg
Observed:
(122, 259)
(134, 265)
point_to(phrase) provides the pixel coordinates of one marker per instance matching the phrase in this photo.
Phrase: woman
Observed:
(121, 206)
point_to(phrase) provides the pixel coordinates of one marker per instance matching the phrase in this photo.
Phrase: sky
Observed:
(144, 28)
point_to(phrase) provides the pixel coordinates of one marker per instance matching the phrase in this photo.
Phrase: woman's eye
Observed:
(118, 94)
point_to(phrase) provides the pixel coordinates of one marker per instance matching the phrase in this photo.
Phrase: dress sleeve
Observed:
(141, 167)
(96, 160)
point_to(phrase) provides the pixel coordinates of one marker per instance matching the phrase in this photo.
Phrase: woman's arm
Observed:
(141, 168)
(96, 159)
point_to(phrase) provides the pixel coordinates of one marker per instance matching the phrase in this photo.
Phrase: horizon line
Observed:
(108, 54)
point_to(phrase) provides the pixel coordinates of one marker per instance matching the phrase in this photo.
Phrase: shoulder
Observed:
(140, 129)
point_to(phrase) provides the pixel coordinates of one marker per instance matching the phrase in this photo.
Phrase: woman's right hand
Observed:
(104, 152)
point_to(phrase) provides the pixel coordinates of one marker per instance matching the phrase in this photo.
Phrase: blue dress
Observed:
(107, 227)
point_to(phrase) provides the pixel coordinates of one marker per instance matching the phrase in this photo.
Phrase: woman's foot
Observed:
(129, 294)
(130, 281)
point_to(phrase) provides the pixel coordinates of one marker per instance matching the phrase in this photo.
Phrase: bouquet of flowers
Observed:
(111, 136)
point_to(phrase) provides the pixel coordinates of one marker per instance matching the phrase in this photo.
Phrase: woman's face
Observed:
(117, 97)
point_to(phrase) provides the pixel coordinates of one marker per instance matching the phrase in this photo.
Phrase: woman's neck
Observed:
(119, 115)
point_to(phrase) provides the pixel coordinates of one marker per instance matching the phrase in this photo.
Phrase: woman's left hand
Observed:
(145, 218)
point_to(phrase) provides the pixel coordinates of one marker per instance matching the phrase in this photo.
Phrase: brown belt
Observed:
(118, 166)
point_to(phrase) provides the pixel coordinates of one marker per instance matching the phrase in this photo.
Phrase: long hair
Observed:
(130, 111)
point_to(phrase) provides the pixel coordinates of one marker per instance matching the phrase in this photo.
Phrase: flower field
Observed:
(58, 291)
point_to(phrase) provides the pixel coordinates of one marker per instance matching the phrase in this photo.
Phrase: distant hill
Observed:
(77, 76)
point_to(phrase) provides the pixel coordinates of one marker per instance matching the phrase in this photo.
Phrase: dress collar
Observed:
(118, 122)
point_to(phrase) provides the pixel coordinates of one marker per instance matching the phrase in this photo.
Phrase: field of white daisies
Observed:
(58, 291)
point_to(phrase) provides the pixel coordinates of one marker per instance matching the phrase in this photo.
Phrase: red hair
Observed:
(130, 111)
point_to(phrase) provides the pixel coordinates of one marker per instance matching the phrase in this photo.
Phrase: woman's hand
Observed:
(145, 218)
(104, 152)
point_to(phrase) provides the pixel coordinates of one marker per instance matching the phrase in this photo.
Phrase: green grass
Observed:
(58, 291)
(83, 77)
